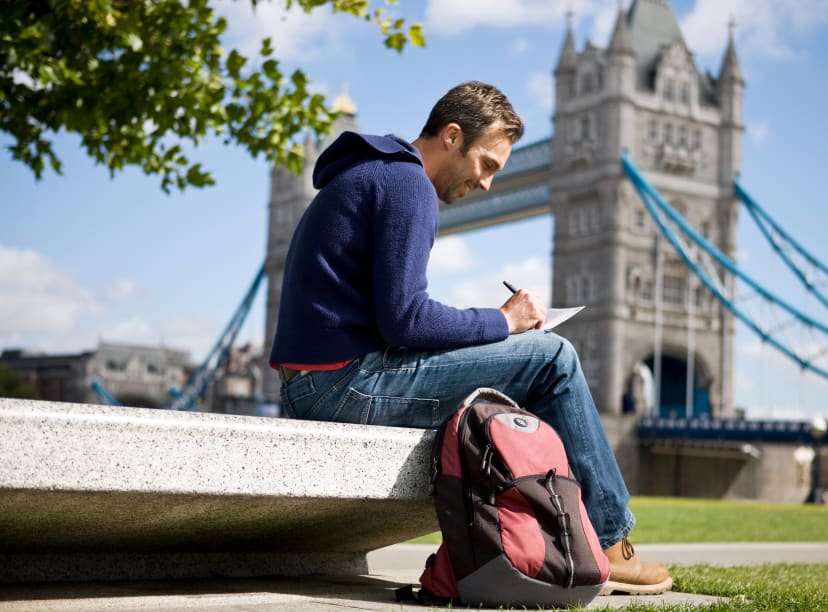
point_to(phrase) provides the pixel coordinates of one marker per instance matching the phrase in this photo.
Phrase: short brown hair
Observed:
(474, 106)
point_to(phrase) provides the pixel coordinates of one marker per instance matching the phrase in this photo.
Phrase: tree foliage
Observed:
(138, 80)
(12, 385)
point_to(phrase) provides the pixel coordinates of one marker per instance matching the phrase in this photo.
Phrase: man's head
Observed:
(467, 138)
(475, 107)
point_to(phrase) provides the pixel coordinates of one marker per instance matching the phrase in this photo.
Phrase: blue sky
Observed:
(85, 258)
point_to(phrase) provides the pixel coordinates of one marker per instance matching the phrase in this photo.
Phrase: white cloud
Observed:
(460, 15)
(487, 290)
(119, 290)
(37, 297)
(195, 334)
(134, 330)
(450, 254)
(603, 22)
(192, 334)
(294, 34)
(43, 308)
(520, 46)
(758, 131)
(764, 28)
(540, 88)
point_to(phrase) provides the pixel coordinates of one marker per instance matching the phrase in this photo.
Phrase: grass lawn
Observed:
(779, 587)
(664, 520)
(669, 519)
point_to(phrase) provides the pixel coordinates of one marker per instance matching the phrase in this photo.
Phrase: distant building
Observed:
(237, 388)
(137, 376)
(57, 378)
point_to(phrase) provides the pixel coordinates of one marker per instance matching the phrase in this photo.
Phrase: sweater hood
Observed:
(352, 148)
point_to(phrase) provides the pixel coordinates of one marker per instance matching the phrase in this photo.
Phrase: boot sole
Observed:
(637, 589)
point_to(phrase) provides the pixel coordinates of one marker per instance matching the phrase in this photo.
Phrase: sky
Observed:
(86, 258)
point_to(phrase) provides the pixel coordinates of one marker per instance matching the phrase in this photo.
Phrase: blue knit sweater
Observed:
(355, 275)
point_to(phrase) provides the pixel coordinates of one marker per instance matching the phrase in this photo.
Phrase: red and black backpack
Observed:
(515, 531)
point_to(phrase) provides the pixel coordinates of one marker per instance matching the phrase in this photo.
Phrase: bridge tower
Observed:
(289, 197)
(644, 94)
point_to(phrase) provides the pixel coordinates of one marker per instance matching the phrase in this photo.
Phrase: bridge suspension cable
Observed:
(217, 357)
(104, 395)
(808, 269)
(795, 334)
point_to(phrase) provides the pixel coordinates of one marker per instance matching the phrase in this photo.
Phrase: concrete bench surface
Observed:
(99, 492)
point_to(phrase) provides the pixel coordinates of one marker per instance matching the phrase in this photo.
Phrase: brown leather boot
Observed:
(629, 574)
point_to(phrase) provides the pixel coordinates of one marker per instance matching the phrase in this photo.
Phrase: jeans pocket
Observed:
(357, 407)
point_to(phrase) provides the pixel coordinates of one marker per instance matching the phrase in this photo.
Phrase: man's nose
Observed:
(485, 182)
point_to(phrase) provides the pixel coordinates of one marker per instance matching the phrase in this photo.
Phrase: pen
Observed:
(510, 287)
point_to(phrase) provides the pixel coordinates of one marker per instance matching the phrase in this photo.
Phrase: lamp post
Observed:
(818, 429)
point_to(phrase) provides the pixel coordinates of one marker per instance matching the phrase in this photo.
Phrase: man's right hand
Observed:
(525, 310)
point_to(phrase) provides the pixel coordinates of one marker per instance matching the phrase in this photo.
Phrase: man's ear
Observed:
(452, 136)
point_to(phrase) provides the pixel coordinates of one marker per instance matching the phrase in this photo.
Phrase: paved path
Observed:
(390, 567)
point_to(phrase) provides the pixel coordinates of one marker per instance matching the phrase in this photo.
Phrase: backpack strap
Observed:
(565, 526)
(423, 596)
(493, 395)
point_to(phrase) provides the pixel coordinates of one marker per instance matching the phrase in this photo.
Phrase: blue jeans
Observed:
(538, 369)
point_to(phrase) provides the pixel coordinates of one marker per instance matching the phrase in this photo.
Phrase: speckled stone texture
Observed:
(98, 492)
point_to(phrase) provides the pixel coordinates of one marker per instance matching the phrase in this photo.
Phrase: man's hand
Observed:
(524, 311)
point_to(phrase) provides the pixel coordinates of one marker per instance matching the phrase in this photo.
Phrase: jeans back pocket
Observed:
(356, 407)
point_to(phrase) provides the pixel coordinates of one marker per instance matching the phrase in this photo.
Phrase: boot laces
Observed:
(627, 549)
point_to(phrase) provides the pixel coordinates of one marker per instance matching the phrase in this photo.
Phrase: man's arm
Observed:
(403, 227)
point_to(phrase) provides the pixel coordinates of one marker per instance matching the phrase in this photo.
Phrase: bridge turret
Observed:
(620, 90)
(730, 87)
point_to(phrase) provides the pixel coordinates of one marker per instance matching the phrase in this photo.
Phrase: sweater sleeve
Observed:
(404, 224)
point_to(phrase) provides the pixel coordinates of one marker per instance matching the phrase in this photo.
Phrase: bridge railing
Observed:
(741, 430)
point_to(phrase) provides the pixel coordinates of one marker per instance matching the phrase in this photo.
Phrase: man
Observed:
(359, 340)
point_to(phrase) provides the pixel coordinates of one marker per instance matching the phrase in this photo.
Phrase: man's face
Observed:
(461, 173)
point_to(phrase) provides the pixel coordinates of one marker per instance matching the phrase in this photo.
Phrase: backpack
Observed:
(515, 531)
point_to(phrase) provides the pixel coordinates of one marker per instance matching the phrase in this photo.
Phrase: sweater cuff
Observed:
(495, 326)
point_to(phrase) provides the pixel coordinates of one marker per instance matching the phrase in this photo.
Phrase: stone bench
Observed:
(104, 493)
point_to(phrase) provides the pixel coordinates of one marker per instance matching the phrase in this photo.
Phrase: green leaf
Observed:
(395, 41)
(134, 41)
(416, 36)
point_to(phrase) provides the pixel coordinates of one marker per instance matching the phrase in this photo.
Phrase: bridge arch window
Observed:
(595, 219)
(697, 138)
(573, 289)
(682, 136)
(633, 281)
(699, 296)
(587, 85)
(669, 90)
(684, 96)
(668, 133)
(583, 222)
(639, 219)
(652, 130)
(586, 128)
(646, 291)
(672, 291)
